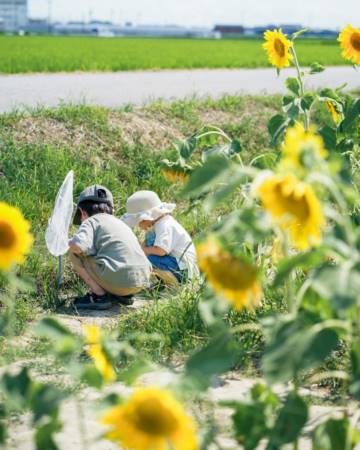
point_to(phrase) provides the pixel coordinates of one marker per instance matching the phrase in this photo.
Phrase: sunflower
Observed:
(336, 116)
(349, 39)
(151, 419)
(295, 207)
(236, 280)
(174, 176)
(96, 353)
(278, 48)
(15, 237)
(301, 147)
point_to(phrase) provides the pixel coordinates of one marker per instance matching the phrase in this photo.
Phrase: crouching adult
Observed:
(105, 253)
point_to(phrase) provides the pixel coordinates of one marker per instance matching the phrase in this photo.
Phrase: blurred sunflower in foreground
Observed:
(349, 39)
(301, 148)
(278, 48)
(234, 279)
(151, 419)
(96, 353)
(15, 237)
(294, 206)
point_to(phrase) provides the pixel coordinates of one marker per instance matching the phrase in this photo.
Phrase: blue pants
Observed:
(167, 263)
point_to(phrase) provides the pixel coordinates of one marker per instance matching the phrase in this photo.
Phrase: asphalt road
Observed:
(118, 88)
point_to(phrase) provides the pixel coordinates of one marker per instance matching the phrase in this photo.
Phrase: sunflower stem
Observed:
(296, 391)
(290, 282)
(216, 132)
(81, 423)
(301, 84)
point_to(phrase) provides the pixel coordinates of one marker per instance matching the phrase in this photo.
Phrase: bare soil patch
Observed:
(154, 130)
(75, 320)
(157, 130)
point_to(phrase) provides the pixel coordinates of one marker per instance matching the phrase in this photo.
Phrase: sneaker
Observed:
(126, 300)
(93, 301)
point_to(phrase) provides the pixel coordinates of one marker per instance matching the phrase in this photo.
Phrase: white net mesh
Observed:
(57, 232)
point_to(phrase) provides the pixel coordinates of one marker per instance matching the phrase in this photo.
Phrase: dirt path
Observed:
(116, 89)
(86, 405)
(74, 321)
(225, 389)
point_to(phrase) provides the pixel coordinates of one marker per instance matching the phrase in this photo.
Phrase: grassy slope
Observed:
(120, 149)
(53, 54)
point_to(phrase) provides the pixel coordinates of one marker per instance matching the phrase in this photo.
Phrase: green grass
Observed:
(122, 150)
(54, 54)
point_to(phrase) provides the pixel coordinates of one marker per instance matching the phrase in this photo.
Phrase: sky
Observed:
(311, 13)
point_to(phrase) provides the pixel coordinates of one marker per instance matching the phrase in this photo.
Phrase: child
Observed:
(105, 252)
(168, 245)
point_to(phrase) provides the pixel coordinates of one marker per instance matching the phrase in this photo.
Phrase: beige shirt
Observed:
(120, 260)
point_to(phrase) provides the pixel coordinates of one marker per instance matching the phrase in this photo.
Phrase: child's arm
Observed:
(83, 240)
(74, 248)
(154, 250)
(162, 242)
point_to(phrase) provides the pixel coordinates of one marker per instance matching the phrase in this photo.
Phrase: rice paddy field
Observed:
(68, 54)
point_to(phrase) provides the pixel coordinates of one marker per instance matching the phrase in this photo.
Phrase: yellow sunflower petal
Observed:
(15, 237)
(151, 419)
(232, 278)
(102, 363)
(336, 116)
(97, 354)
(174, 176)
(294, 206)
(92, 334)
(300, 145)
(349, 39)
(278, 48)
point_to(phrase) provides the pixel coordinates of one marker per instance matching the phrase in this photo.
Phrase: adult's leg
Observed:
(85, 276)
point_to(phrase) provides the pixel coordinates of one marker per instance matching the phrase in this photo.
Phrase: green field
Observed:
(54, 54)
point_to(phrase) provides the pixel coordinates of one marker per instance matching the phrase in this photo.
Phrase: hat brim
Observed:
(129, 220)
(133, 220)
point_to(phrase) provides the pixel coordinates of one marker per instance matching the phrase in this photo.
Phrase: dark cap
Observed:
(96, 194)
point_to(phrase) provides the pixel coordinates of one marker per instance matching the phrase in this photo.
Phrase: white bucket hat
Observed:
(145, 205)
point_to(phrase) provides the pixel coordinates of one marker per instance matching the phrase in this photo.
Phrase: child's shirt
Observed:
(119, 257)
(176, 241)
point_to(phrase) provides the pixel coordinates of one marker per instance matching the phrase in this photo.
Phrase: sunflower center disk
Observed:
(152, 418)
(232, 273)
(355, 41)
(294, 205)
(279, 47)
(7, 236)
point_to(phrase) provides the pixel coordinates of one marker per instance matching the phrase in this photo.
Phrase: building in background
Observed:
(229, 31)
(38, 26)
(13, 15)
(163, 31)
(108, 29)
(288, 29)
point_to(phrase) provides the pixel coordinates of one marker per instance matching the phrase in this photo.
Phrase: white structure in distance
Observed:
(13, 15)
